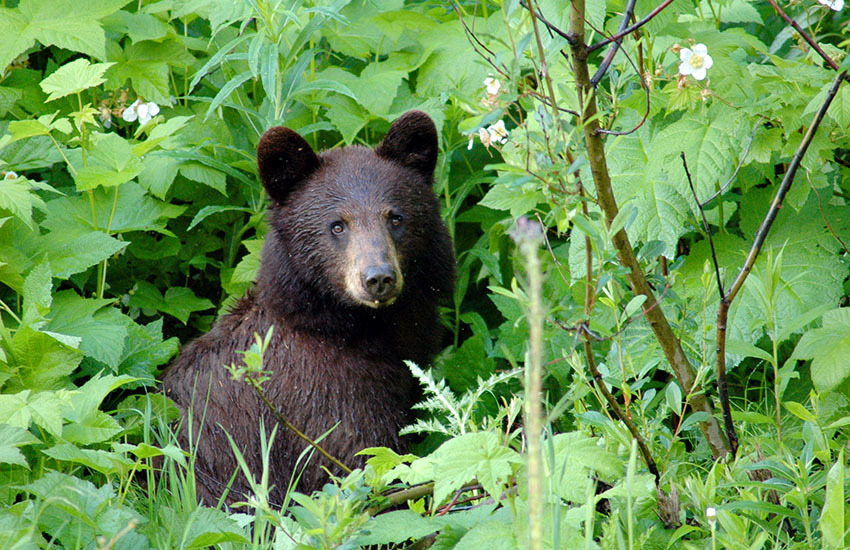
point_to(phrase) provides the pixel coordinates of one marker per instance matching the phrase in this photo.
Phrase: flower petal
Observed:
(153, 109)
(685, 69)
(700, 49)
(699, 74)
(707, 61)
(685, 54)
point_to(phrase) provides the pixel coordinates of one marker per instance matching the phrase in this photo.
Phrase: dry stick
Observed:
(283, 420)
(625, 254)
(761, 235)
(705, 226)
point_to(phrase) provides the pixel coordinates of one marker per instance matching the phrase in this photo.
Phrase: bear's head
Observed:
(351, 226)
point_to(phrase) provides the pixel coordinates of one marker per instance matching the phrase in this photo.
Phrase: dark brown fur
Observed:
(334, 357)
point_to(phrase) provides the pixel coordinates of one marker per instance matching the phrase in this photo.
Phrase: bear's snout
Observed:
(379, 281)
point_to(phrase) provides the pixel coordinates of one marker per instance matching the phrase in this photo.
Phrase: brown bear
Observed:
(354, 264)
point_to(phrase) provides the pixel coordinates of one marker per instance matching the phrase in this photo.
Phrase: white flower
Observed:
(711, 515)
(144, 112)
(10, 175)
(493, 85)
(498, 133)
(695, 62)
(836, 5)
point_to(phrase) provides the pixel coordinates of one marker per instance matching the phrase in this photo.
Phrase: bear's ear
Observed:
(412, 142)
(284, 158)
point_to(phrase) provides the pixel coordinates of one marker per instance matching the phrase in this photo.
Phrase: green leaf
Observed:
(492, 535)
(105, 462)
(42, 360)
(477, 455)
(17, 199)
(110, 163)
(158, 172)
(178, 301)
(518, 200)
(74, 77)
(133, 211)
(576, 456)
(37, 291)
(396, 527)
(11, 438)
(145, 350)
(56, 23)
(75, 250)
(833, 519)
(209, 210)
(828, 347)
(102, 329)
(146, 65)
(207, 527)
(247, 268)
(205, 175)
(24, 408)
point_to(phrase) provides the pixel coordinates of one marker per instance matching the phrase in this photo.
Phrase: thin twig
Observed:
(796, 26)
(609, 57)
(627, 30)
(705, 226)
(758, 242)
(283, 420)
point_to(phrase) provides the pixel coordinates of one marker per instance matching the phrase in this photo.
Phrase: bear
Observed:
(354, 265)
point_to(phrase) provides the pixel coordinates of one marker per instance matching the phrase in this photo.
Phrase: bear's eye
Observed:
(337, 228)
(395, 220)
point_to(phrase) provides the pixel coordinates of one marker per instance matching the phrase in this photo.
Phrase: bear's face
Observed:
(353, 220)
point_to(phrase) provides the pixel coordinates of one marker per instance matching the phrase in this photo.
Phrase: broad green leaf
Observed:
(43, 361)
(478, 455)
(137, 26)
(75, 250)
(25, 408)
(42, 126)
(11, 438)
(518, 200)
(247, 268)
(17, 199)
(178, 301)
(37, 291)
(576, 457)
(346, 115)
(492, 535)
(158, 172)
(74, 77)
(833, 521)
(396, 527)
(146, 350)
(146, 65)
(162, 135)
(828, 348)
(134, 210)
(105, 462)
(56, 23)
(102, 329)
(205, 175)
(209, 527)
(110, 163)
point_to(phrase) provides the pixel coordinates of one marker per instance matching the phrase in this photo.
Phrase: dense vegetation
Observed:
(664, 365)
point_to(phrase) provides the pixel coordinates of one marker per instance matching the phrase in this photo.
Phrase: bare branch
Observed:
(705, 226)
(609, 57)
(627, 30)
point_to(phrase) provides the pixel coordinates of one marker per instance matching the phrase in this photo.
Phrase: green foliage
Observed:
(130, 213)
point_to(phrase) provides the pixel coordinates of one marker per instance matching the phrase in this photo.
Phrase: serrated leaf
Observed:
(37, 291)
(74, 250)
(106, 462)
(74, 77)
(517, 200)
(577, 456)
(247, 268)
(43, 361)
(204, 174)
(208, 527)
(24, 408)
(828, 348)
(178, 301)
(492, 535)
(102, 329)
(11, 438)
(110, 163)
(57, 23)
(133, 211)
(478, 455)
(17, 199)
(145, 351)
(146, 64)
(396, 527)
(158, 172)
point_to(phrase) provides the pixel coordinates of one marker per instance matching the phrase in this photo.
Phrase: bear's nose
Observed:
(379, 281)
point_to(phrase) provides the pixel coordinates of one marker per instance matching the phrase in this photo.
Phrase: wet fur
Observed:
(333, 359)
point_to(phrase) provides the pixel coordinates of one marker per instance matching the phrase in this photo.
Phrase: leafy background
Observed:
(120, 239)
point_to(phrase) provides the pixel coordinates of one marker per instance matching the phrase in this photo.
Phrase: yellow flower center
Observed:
(696, 61)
